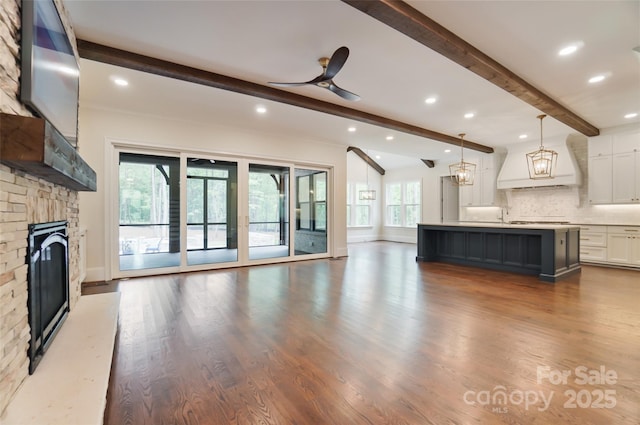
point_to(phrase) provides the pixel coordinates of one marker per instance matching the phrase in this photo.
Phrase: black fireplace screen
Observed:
(48, 279)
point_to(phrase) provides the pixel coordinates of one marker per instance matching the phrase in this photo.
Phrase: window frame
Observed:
(311, 203)
(403, 206)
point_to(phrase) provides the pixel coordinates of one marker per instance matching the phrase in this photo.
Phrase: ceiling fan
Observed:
(330, 68)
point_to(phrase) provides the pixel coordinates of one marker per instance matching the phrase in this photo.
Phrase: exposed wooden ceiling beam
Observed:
(429, 163)
(125, 59)
(366, 158)
(412, 23)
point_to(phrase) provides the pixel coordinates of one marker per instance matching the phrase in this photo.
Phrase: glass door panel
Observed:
(149, 212)
(311, 207)
(212, 204)
(268, 211)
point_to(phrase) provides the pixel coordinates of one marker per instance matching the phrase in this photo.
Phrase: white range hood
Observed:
(515, 173)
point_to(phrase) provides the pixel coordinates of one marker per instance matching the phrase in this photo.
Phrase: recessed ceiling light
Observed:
(523, 136)
(351, 129)
(447, 150)
(596, 79)
(389, 137)
(430, 100)
(570, 48)
(120, 82)
(261, 109)
(631, 115)
(469, 115)
(377, 156)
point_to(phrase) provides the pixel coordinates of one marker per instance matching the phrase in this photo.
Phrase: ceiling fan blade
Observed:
(342, 92)
(336, 62)
(287, 84)
(316, 80)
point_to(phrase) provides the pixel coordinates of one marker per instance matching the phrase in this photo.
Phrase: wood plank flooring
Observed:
(375, 338)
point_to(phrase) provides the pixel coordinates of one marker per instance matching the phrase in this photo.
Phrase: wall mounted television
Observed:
(50, 78)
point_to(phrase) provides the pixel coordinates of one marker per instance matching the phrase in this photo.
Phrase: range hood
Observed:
(515, 173)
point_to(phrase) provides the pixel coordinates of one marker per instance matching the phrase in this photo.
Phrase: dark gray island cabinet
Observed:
(550, 251)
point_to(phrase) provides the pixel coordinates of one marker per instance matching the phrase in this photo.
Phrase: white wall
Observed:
(430, 183)
(99, 128)
(359, 172)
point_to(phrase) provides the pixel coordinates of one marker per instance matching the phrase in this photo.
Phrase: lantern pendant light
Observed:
(462, 173)
(368, 194)
(542, 162)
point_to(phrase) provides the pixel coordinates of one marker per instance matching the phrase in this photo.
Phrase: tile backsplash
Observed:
(553, 204)
(566, 204)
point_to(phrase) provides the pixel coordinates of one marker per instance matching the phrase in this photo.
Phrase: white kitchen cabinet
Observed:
(593, 244)
(600, 180)
(488, 187)
(626, 178)
(625, 142)
(614, 169)
(614, 245)
(470, 195)
(623, 245)
(483, 191)
(600, 145)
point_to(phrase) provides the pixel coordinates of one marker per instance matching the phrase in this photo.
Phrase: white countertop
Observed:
(503, 225)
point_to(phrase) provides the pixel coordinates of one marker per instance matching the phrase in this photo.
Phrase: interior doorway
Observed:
(449, 200)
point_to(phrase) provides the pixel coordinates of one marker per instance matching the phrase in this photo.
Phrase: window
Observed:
(320, 192)
(411, 204)
(402, 204)
(358, 211)
(312, 201)
(393, 198)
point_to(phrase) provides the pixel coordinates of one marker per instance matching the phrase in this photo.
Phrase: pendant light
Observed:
(542, 162)
(369, 194)
(462, 173)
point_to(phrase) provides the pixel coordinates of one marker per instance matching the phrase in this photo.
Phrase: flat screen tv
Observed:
(50, 74)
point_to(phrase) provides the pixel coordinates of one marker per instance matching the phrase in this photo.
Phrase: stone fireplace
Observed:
(25, 198)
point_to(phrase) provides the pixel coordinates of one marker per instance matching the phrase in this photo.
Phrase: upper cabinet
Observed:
(614, 169)
(483, 191)
(600, 180)
(626, 173)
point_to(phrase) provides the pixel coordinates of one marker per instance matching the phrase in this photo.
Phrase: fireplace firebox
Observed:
(48, 285)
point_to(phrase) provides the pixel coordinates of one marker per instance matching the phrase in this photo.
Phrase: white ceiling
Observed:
(263, 41)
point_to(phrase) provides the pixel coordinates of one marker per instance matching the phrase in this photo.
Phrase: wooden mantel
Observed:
(34, 146)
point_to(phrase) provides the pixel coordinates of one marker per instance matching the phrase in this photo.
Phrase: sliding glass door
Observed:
(149, 212)
(187, 212)
(212, 211)
(268, 211)
(311, 209)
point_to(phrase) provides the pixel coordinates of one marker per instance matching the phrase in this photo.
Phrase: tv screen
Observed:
(50, 72)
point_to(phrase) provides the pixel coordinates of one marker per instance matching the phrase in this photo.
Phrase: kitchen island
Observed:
(552, 252)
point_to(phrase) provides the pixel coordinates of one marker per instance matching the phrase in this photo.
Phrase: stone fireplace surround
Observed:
(24, 199)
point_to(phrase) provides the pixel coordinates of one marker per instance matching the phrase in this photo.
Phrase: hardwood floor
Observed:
(375, 339)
